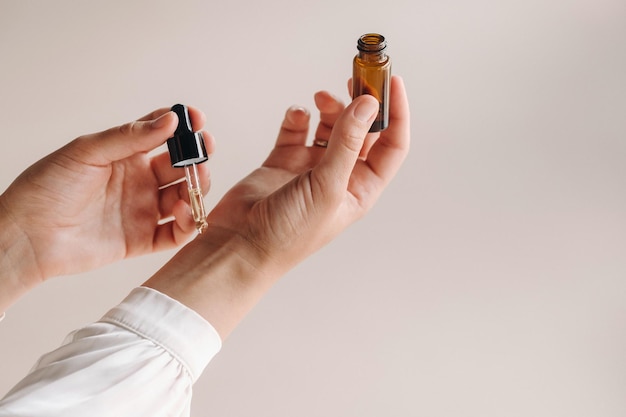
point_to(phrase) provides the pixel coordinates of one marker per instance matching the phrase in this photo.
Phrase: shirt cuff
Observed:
(170, 324)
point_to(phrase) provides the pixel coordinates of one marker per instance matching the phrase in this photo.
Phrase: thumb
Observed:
(128, 139)
(345, 142)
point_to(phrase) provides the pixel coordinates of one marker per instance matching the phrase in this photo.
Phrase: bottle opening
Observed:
(371, 42)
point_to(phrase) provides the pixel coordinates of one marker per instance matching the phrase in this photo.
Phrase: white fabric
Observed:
(140, 359)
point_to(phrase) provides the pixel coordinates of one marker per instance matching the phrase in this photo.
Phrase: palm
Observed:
(302, 196)
(117, 204)
(93, 214)
(102, 198)
(270, 195)
(279, 202)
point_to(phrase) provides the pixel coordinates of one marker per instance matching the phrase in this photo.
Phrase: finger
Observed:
(295, 127)
(177, 231)
(345, 143)
(370, 140)
(196, 116)
(184, 224)
(155, 114)
(388, 152)
(330, 108)
(124, 141)
(163, 170)
(142, 135)
(166, 174)
(170, 196)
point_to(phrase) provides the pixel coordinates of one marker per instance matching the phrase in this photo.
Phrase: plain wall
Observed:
(490, 279)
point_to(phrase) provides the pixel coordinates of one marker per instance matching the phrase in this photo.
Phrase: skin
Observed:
(296, 202)
(103, 198)
(99, 199)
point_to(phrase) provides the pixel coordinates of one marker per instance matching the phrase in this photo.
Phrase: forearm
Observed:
(18, 267)
(219, 276)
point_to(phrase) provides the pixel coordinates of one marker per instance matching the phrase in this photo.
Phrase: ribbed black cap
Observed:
(186, 146)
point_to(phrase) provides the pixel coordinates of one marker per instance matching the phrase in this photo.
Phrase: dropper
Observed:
(187, 150)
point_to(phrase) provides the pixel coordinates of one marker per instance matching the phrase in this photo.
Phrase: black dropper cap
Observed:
(186, 146)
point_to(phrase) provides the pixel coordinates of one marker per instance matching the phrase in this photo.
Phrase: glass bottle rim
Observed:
(371, 42)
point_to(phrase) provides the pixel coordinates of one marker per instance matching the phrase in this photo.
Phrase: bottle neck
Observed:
(378, 56)
(371, 47)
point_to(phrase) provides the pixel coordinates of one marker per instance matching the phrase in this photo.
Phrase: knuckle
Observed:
(328, 191)
(352, 138)
(128, 129)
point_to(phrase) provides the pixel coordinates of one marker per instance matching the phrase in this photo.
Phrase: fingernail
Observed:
(365, 110)
(294, 110)
(161, 121)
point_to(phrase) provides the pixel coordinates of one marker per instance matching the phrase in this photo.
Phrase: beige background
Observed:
(490, 280)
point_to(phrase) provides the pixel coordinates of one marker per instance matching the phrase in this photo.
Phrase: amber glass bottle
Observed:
(372, 74)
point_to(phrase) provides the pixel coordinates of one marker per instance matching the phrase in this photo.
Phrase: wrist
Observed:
(18, 266)
(219, 275)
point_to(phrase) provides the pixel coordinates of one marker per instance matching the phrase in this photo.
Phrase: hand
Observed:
(303, 196)
(300, 198)
(102, 198)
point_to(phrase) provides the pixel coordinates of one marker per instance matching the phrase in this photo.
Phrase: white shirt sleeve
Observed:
(140, 359)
